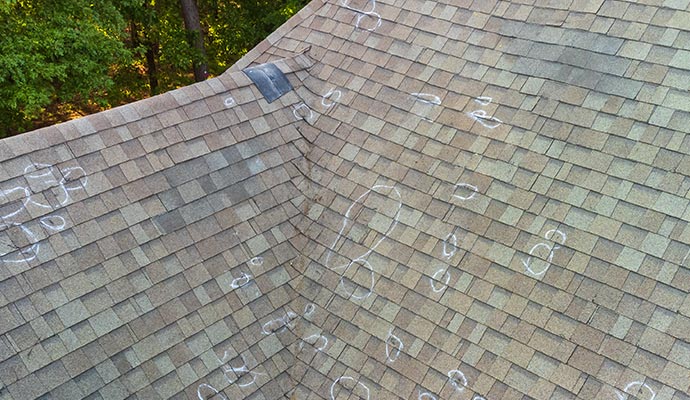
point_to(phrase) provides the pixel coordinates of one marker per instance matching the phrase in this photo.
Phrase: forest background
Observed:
(61, 59)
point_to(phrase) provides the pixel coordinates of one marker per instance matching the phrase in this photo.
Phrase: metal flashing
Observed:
(270, 80)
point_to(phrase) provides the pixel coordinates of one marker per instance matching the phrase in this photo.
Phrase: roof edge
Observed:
(251, 56)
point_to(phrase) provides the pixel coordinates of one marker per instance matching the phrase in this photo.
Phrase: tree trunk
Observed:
(151, 56)
(151, 70)
(190, 14)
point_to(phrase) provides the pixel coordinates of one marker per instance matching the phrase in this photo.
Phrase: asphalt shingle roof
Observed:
(459, 199)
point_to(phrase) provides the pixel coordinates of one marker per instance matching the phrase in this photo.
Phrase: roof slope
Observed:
(476, 200)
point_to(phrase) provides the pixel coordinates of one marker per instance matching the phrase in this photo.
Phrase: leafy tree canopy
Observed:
(56, 51)
(64, 58)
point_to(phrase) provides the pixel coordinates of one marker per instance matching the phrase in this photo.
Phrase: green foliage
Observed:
(236, 27)
(61, 58)
(56, 51)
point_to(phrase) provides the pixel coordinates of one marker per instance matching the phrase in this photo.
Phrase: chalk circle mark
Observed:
(229, 101)
(487, 121)
(24, 203)
(73, 178)
(279, 324)
(457, 379)
(534, 254)
(33, 171)
(394, 346)
(442, 275)
(355, 385)
(360, 263)
(357, 276)
(545, 259)
(369, 21)
(302, 111)
(9, 253)
(427, 98)
(465, 191)
(6, 244)
(372, 19)
(349, 215)
(313, 340)
(450, 245)
(624, 395)
(346, 4)
(309, 310)
(549, 235)
(273, 325)
(329, 99)
(257, 261)
(241, 281)
(53, 222)
(483, 100)
(685, 259)
(237, 372)
(426, 396)
(212, 392)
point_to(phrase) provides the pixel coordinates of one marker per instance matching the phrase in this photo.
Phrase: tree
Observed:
(235, 27)
(64, 58)
(56, 53)
(190, 14)
(143, 26)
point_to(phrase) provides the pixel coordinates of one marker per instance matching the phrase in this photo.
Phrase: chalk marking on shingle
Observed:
(361, 14)
(682, 263)
(624, 395)
(396, 343)
(450, 245)
(457, 379)
(307, 116)
(485, 120)
(313, 340)
(346, 4)
(427, 98)
(434, 279)
(279, 324)
(474, 190)
(349, 378)
(24, 254)
(426, 396)
(347, 217)
(206, 397)
(72, 178)
(483, 100)
(309, 309)
(362, 259)
(331, 93)
(527, 262)
(374, 15)
(241, 281)
(238, 373)
(370, 290)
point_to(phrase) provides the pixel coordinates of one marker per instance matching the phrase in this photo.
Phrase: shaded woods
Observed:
(60, 59)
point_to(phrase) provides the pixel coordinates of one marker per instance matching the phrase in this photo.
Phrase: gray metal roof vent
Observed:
(270, 80)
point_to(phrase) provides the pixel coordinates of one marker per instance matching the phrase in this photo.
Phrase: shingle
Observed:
(681, 59)
(169, 222)
(619, 86)
(677, 100)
